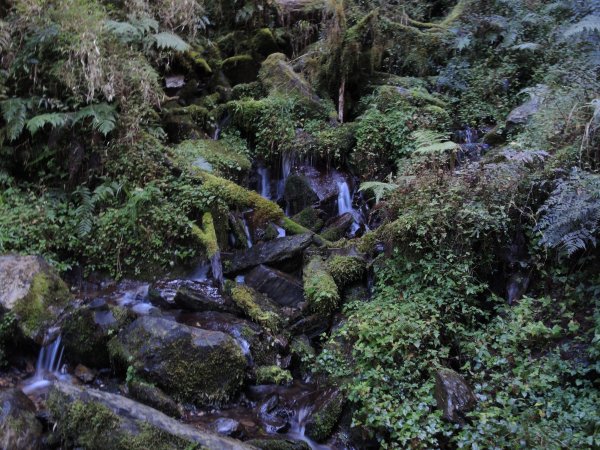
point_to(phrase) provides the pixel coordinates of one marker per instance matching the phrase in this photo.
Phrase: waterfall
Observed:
(217, 269)
(265, 183)
(247, 232)
(48, 367)
(280, 231)
(287, 161)
(345, 205)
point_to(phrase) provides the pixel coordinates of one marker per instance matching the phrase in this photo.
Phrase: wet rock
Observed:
(87, 331)
(282, 288)
(256, 343)
(257, 307)
(298, 194)
(453, 395)
(152, 396)
(521, 114)
(278, 444)
(275, 251)
(84, 373)
(180, 127)
(162, 293)
(192, 364)
(227, 427)
(311, 218)
(121, 423)
(240, 69)
(278, 75)
(328, 411)
(19, 427)
(312, 326)
(201, 297)
(337, 228)
(34, 292)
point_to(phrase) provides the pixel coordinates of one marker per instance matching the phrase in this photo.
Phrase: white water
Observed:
(345, 205)
(247, 232)
(280, 231)
(287, 161)
(298, 428)
(48, 367)
(200, 273)
(265, 182)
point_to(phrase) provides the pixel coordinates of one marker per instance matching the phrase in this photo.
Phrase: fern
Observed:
(170, 41)
(56, 120)
(570, 217)
(14, 112)
(380, 189)
(589, 23)
(429, 141)
(104, 117)
(88, 201)
(132, 31)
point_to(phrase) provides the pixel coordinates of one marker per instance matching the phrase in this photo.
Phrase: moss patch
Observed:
(207, 236)
(222, 157)
(273, 375)
(320, 289)
(247, 300)
(346, 269)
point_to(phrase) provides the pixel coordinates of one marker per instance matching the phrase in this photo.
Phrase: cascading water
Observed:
(345, 205)
(47, 368)
(280, 231)
(287, 161)
(471, 147)
(247, 232)
(265, 182)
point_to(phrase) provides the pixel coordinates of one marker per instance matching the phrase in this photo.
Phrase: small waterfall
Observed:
(200, 273)
(265, 182)
(345, 205)
(219, 126)
(247, 231)
(298, 427)
(471, 147)
(47, 368)
(217, 269)
(287, 161)
(280, 231)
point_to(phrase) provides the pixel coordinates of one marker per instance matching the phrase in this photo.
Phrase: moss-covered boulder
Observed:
(298, 194)
(346, 269)
(282, 288)
(87, 331)
(278, 444)
(226, 157)
(152, 396)
(34, 292)
(311, 218)
(19, 427)
(240, 69)
(320, 289)
(96, 420)
(338, 228)
(264, 42)
(321, 423)
(192, 364)
(257, 307)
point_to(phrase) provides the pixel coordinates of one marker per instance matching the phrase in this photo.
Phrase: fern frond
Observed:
(14, 113)
(125, 31)
(170, 41)
(429, 141)
(590, 23)
(55, 120)
(380, 189)
(103, 115)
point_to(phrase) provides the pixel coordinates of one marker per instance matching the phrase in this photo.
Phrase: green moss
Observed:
(240, 68)
(207, 236)
(278, 444)
(309, 218)
(346, 269)
(320, 289)
(39, 309)
(273, 375)
(254, 90)
(323, 421)
(93, 426)
(246, 299)
(237, 197)
(222, 156)
(264, 42)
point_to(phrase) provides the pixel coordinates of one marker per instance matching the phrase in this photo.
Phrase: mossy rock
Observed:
(257, 307)
(220, 157)
(33, 292)
(264, 42)
(240, 69)
(320, 289)
(96, 420)
(193, 365)
(254, 90)
(278, 444)
(152, 396)
(19, 427)
(321, 423)
(311, 218)
(273, 375)
(298, 194)
(346, 269)
(86, 333)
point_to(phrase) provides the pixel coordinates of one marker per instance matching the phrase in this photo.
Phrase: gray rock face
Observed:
(152, 396)
(521, 114)
(328, 410)
(298, 194)
(282, 288)
(191, 364)
(275, 251)
(129, 422)
(453, 395)
(19, 428)
(32, 289)
(202, 297)
(337, 228)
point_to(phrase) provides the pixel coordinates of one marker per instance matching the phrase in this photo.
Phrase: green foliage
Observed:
(273, 375)
(346, 269)
(570, 217)
(8, 329)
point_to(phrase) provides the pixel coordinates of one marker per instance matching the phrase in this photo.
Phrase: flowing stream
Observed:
(47, 368)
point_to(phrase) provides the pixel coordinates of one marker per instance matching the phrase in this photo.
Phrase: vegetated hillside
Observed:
(473, 126)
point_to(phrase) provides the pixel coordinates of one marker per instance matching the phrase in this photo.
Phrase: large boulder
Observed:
(34, 292)
(97, 420)
(202, 297)
(87, 331)
(522, 113)
(453, 395)
(257, 307)
(284, 289)
(19, 427)
(328, 411)
(192, 364)
(275, 251)
(338, 227)
(298, 194)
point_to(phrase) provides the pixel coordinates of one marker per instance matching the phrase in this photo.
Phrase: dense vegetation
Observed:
(490, 263)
